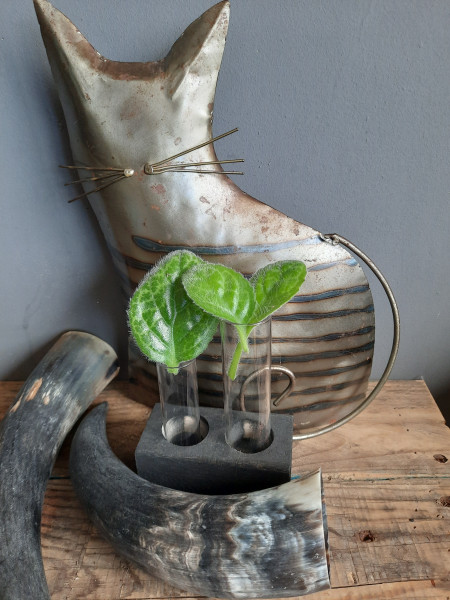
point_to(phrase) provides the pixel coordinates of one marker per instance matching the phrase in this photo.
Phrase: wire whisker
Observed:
(198, 171)
(183, 152)
(80, 168)
(197, 164)
(175, 166)
(100, 178)
(97, 189)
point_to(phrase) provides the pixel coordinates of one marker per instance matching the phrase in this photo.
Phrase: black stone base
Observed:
(211, 466)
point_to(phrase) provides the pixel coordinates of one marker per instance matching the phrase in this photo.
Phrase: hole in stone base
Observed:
(185, 431)
(245, 436)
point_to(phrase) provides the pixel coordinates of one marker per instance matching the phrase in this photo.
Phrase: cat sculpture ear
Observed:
(73, 59)
(196, 56)
(193, 61)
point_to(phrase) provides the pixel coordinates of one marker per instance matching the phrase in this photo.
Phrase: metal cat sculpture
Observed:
(142, 133)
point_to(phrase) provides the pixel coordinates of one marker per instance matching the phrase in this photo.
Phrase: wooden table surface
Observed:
(387, 491)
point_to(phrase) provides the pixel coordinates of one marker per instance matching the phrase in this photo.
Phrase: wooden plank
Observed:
(413, 590)
(384, 531)
(388, 528)
(399, 433)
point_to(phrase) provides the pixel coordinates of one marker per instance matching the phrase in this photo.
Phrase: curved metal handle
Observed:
(284, 394)
(335, 239)
(287, 390)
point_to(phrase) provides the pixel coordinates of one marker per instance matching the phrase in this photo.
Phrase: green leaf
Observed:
(166, 325)
(227, 295)
(274, 285)
(221, 292)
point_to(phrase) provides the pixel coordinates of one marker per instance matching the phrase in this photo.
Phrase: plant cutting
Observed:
(244, 308)
(175, 310)
(174, 314)
(228, 296)
(172, 331)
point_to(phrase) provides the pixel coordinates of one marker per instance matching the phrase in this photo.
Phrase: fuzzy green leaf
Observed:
(274, 285)
(166, 325)
(221, 292)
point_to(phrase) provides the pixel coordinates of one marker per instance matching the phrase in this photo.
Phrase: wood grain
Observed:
(388, 524)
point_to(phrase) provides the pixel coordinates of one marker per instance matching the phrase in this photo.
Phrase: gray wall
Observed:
(343, 110)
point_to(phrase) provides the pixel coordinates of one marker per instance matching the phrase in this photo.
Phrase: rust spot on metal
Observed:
(444, 500)
(225, 211)
(131, 114)
(366, 536)
(210, 212)
(34, 389)
(154, 207)
(128, 71)
(440, 458)
(159, 188)
(46, 399)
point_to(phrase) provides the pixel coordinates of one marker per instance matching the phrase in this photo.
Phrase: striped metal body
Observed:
(127, 115)
(324, 335)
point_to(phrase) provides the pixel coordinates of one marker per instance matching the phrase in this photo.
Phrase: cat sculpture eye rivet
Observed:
(148, 169)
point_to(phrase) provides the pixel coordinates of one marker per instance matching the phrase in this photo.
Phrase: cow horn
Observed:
(72, 373)
(265, 544)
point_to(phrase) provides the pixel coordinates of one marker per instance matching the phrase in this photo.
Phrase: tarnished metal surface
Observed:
(127, 115)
